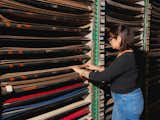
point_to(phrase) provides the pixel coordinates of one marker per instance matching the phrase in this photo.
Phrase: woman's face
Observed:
(115, 42)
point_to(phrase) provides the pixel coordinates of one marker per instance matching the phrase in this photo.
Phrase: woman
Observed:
(122, 74)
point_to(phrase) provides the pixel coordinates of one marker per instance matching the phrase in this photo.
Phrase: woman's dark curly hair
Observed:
(126, 33)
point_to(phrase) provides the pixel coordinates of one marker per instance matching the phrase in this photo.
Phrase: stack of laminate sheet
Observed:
(39, 41)
(128, 12)
(154, 63)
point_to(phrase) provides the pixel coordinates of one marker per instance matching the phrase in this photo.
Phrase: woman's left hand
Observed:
(82, 72)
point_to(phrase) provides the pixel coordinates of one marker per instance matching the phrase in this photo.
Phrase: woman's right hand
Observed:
(90, 67)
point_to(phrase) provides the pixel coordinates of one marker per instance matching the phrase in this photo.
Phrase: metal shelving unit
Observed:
(39, 41)
(21, 49)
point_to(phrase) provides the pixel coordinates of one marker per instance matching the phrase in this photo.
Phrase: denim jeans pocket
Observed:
(133, 103)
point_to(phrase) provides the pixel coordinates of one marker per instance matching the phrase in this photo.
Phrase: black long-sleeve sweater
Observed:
(122, 74)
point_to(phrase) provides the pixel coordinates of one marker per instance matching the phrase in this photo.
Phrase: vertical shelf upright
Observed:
(146, 49)
(152, 83)
(98, 37)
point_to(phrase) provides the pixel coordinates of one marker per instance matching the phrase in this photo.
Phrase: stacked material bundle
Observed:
(40, 40)
(153, 81)
(128, 12)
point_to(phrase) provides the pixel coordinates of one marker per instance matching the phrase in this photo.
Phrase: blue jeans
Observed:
(128, 106)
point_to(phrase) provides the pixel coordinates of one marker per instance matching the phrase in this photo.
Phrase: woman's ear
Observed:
(119, 42)
(119, 39)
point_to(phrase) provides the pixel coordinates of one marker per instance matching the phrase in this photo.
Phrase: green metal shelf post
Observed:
(95, 59)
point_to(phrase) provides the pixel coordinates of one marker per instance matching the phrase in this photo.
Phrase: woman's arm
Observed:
(118, 67)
